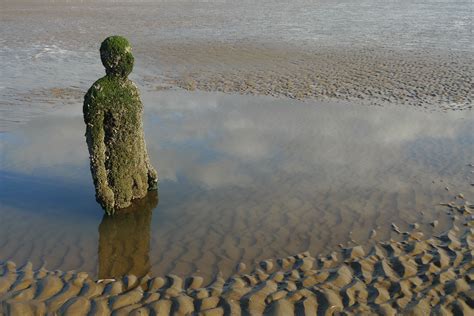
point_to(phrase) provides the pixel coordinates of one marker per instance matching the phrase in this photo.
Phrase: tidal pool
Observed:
(242, 179)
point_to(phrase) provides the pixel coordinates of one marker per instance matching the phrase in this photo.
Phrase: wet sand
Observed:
(413, 275)
(406, 273)
(237, 184)
(418, 55)
(372, 75)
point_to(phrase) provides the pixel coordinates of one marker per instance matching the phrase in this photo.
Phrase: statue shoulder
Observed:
(96, 88)
(133, 87)
(94, 94)
(135, 92)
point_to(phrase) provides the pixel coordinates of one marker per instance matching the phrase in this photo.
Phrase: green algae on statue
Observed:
(119, 162)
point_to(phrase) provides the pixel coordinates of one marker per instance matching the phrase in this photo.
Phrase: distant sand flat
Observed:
(374, 52)
(369, 76)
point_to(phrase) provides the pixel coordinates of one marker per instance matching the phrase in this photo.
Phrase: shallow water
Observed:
(241, 179)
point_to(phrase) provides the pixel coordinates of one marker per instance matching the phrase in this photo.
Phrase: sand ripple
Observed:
(416, 275)
(371, 76)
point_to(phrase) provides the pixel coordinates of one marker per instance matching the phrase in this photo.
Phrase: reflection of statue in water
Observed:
(124, 239)
(114, 131)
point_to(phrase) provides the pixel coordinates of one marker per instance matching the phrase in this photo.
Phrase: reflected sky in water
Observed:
(241, 179)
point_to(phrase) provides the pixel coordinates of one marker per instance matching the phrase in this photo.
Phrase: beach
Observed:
(415, 275)
(364, 76)
(314, 157)
(372, 52)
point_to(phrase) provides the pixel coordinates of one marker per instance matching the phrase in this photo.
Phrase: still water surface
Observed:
(241, 179)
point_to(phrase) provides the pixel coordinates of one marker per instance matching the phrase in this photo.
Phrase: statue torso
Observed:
(115, 106)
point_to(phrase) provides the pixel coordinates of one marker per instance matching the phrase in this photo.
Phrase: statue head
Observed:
(116, 56)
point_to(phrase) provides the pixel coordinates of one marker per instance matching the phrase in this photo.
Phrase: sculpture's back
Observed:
(114, 131)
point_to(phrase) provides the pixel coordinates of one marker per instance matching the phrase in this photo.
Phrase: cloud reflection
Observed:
(241, 178)
(217, 140)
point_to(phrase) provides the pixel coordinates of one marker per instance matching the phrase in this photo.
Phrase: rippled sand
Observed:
(370, 76)
(415, 275)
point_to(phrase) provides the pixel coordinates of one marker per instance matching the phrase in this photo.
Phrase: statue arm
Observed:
(94, 119)
(151, 172)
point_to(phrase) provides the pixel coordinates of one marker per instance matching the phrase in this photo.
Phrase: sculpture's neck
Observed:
(115, 76)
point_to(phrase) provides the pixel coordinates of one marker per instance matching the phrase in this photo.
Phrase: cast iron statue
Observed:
(119, 162)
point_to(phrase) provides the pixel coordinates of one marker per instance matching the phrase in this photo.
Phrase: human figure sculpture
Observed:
(119, 162)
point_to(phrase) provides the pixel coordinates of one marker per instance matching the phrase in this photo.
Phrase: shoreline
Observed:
(414, 275)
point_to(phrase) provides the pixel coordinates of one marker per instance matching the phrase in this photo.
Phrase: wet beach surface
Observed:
(241, 179)
(298, 131)
(373, 52)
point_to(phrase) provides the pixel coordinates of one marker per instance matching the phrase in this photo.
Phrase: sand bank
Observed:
(415, 275)
(373, 75)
